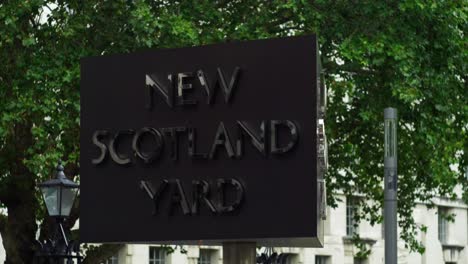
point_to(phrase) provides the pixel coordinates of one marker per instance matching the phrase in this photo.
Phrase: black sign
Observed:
(202, 145)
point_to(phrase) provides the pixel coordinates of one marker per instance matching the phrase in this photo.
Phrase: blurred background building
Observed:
(446, 241)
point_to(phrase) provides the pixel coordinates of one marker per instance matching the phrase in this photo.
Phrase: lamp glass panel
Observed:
(68, 197)
(51, 199)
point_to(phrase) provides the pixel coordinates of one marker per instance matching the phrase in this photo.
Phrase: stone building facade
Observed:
(446, 242)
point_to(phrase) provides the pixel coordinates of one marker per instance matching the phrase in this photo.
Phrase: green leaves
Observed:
(402, 62)
(28, 41)
(408, 54)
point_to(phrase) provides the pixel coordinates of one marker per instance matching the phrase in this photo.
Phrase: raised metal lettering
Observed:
(222, 184)
(201, 192)
(294, 136)
(232, 84)
(118, 158)
(182, 87)
(219, 82)
(192, 145)
(96, 136)
(257, 139)
(222, 139)
(173, 133)
(156, 153)
(154, 195)
(153, 84)
(178, 198)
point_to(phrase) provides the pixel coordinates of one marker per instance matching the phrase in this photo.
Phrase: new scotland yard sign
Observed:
(213, 143)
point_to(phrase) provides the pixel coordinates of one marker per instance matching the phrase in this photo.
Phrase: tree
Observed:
(407, 54)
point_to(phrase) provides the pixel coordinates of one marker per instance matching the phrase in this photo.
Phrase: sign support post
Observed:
(239, 252)
(391, 187)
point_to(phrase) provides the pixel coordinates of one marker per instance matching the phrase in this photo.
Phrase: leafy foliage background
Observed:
(409, 54)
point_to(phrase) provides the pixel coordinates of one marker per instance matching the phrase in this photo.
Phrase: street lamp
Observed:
(391, 185)
(59, 195)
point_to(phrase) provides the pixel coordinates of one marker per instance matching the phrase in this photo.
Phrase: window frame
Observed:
(207, 256)
(352, 206)
(112, 260)
(322, 259)
(157, 258)
(442, 224)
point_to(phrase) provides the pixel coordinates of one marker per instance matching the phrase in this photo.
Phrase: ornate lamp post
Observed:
(59, 195)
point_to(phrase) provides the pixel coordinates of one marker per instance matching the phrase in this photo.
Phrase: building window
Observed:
(351, 211)
(157, 255)
(442, 224)
(360, 261)
(322, 260)
(111, 260)
(205, 256)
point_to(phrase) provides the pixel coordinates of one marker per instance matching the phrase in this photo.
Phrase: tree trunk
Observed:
(19, 226)
(19, 231)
